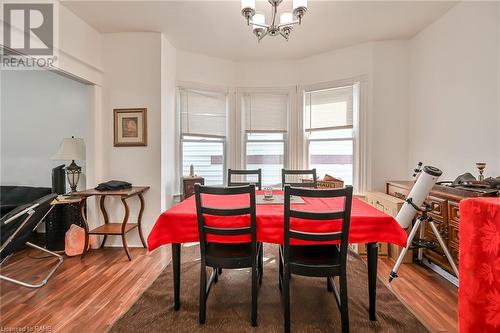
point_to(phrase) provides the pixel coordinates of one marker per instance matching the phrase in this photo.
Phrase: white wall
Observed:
(455, 111)
(38, 110)
(383, 67)
(132, 63)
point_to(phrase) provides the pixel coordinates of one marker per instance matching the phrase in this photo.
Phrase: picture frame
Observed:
(130, 127)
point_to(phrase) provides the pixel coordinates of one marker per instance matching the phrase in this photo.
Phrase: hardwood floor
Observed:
(89, 295)
(430, 297)
(84, 295)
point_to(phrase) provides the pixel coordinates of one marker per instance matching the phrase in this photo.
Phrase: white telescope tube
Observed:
(418, 193)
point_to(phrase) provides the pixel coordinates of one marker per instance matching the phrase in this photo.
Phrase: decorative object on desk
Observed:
(130, 127)
(327, 182)
(268, 193)
(480, 167)
(188, 185)
(75, 241)
(191, 170)
(113, 185)
(71, 149)
(287, 19)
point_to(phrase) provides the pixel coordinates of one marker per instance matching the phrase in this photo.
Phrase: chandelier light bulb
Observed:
(247, 4)
(286, 18)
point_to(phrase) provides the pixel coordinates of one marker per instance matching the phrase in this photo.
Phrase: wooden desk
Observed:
(117, 228)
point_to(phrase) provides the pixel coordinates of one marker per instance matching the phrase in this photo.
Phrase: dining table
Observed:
(368, 225)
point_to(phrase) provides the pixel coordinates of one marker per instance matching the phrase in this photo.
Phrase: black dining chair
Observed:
(228, 255)
(257, 172)
(327, 260)
(295, 174)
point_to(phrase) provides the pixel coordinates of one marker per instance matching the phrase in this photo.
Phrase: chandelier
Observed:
(287, 19)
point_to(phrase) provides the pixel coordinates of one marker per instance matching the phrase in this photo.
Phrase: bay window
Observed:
(203, 133)
(330, 131)
(265, 118)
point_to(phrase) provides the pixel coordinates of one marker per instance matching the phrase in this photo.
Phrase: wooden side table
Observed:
(117, 228)
(188, 185)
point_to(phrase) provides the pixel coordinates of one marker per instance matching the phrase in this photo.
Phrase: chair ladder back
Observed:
(201, 210)
(312, 173)
(344, 215)
(231, 172)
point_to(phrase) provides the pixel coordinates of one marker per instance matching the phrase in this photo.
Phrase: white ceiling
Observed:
(216, 28)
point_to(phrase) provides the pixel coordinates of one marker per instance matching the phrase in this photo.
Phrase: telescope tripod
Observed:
(419, 243)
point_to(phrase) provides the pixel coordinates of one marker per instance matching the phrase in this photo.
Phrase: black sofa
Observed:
(14, 196)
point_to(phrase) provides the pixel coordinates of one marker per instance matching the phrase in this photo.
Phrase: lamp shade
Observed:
(299, 4)
(286, 18)
(70, 149)
(260, 19)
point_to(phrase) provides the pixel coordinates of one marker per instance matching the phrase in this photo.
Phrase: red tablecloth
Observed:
(368, 224)
(479, 269)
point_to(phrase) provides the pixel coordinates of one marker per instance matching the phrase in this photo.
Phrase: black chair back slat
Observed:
(228, 231)
(300, 214)
(315, 236)
(312, 173)
(220, 190)
(231, 172)
(225, 212)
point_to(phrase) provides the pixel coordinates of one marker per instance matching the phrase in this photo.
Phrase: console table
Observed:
(117, 228)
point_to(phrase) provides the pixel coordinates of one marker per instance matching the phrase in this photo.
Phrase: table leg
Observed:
(124, 223)
(176, 264)
(106, 217)
(85, 226)
(372, 254)
(139, 219)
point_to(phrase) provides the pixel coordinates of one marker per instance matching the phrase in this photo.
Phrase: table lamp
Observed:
(71, 149)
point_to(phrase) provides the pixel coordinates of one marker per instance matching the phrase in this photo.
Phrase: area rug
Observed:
(313, 309)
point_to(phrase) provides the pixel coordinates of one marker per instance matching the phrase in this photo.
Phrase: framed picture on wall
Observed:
(130, 127)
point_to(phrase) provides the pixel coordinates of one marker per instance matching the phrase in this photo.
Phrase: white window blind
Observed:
(203, 113)
(329, 109)
(265, 112)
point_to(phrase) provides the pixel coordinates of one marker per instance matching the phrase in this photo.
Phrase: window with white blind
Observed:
(203, 133)
(330, 131)
(265, 117)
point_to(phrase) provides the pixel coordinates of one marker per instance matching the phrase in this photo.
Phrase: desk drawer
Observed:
(398, 192)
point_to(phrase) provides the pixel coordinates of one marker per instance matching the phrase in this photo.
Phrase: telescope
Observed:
(415, 203)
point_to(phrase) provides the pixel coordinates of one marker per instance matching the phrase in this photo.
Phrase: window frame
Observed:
(201, 138)
(284, 141)
(356, 127)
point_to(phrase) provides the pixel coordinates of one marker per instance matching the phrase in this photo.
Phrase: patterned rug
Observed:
(313, 309)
